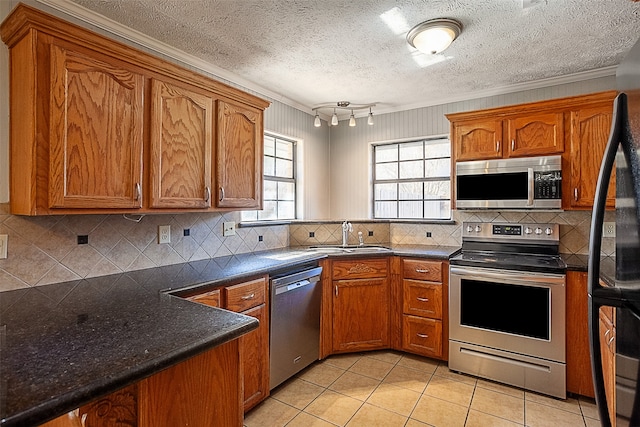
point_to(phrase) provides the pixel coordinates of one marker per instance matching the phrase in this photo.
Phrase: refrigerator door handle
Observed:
(595, 242)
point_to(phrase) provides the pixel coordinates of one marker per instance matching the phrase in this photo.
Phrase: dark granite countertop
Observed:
(66, 344)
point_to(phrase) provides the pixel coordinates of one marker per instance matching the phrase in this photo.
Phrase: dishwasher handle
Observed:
(293, 286)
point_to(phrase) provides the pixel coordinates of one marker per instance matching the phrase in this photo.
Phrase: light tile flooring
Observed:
(391, 389)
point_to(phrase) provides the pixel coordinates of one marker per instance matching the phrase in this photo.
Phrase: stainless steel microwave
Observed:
(517, 183)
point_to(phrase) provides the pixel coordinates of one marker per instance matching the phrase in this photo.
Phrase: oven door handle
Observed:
(508, 276)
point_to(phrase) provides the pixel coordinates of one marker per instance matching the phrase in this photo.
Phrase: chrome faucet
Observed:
(360, 239)
(346, 229)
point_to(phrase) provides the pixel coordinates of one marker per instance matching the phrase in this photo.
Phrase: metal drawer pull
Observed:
(610, 340)
(497, 145)
(422, 270)
(575, 194)
(207, 193)
(138, 191)
(422, 335)
(422, 299)
(336, 290)
(250, 296)
(607, 332)
(513, 145)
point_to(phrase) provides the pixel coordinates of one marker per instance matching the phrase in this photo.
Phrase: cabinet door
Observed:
(588, 137)
(478, 140)
(239, 156)
(256, 359)
(422, 298)
(96, 132)
(181, 147)
(360, 314)
(534, 135)
(608, 353)
(422, 336)
(579, 378)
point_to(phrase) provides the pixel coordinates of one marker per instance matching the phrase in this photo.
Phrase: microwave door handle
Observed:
(531, 187)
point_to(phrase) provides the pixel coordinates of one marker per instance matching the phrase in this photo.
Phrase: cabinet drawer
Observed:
(422, 299)
(422, 270)
(422, 336)
(360, 269)
(245, 295)
(211, 298)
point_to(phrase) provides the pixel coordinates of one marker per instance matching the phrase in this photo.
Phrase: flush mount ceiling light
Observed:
(342, 105)
(435, 35)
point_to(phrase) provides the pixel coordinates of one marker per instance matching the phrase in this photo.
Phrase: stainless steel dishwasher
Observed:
(295, 323)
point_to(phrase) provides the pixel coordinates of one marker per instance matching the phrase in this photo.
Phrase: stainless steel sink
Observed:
(350, 249)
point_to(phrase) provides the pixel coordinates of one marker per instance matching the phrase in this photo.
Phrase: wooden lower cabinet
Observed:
(579, 376)
(422, 335)
(205, 390)
(608, 352)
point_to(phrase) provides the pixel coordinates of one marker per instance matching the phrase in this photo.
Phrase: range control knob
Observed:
(528, 230)
(478, 229)
(469, 229)
(538, 230)
(548, 231)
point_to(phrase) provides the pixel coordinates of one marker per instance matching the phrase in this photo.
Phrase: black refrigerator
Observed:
(622, 287)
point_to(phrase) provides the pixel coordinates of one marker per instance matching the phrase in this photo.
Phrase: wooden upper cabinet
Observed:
(476, 140)
(534, 135)
(588, 136)
(181, 147)
(96, 132)
(239, 146)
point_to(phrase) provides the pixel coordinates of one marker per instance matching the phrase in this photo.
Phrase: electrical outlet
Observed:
(4, 240)
(229, 228)
(609, 229)
(164, 234)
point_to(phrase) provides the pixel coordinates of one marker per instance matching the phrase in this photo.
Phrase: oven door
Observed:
(513, 311)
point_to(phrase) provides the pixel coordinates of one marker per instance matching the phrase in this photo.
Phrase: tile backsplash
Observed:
(45, 249)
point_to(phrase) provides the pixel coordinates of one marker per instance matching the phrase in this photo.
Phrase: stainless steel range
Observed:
(507, 306)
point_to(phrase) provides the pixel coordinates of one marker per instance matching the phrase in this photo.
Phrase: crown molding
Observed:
(130, 35)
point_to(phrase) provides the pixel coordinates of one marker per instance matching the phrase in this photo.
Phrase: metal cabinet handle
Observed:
(513, 145)
(422, 299)
(422, 270)
(138, 191)
(422, 335)
(607, 332)
(336, 290)
(497, 145)
(575, 194)
(207, 193)
(221, 193)
(247, 297)
(611, 339)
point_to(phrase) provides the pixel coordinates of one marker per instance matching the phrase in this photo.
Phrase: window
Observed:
(279, 185)
(412, 180)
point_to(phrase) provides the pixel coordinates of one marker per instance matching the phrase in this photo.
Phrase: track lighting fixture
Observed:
(345, 105)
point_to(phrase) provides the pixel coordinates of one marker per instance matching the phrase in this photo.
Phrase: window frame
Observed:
(374, 180)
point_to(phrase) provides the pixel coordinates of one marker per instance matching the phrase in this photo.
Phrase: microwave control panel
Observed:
(547, 185)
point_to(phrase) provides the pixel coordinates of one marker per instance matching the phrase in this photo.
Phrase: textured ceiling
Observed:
(318, 51)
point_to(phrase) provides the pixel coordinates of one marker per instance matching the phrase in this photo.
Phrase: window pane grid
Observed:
(412, 180)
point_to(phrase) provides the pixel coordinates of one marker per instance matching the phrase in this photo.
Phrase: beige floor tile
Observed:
(569, 404)
(416, 423)
(537, 415)
(334, 407)
(270, 413)
(445, 372)
(439, 413)
(355, 385)
(451, 391)
(419, 363)
(500, 388)
(498, 404)
(480, 419)
(412, 379)
(297, 393)
(372, 368)
(372, 416)
(395, 399)
(321, 374)
(388, 356)
(343, 361)
(591, 422)
(589, 408)
(307, 420)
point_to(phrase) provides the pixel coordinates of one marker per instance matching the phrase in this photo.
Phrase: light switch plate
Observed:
(4, 240)
(229, 228)
(164, 234)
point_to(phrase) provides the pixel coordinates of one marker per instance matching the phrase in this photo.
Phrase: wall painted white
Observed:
(351, 146)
